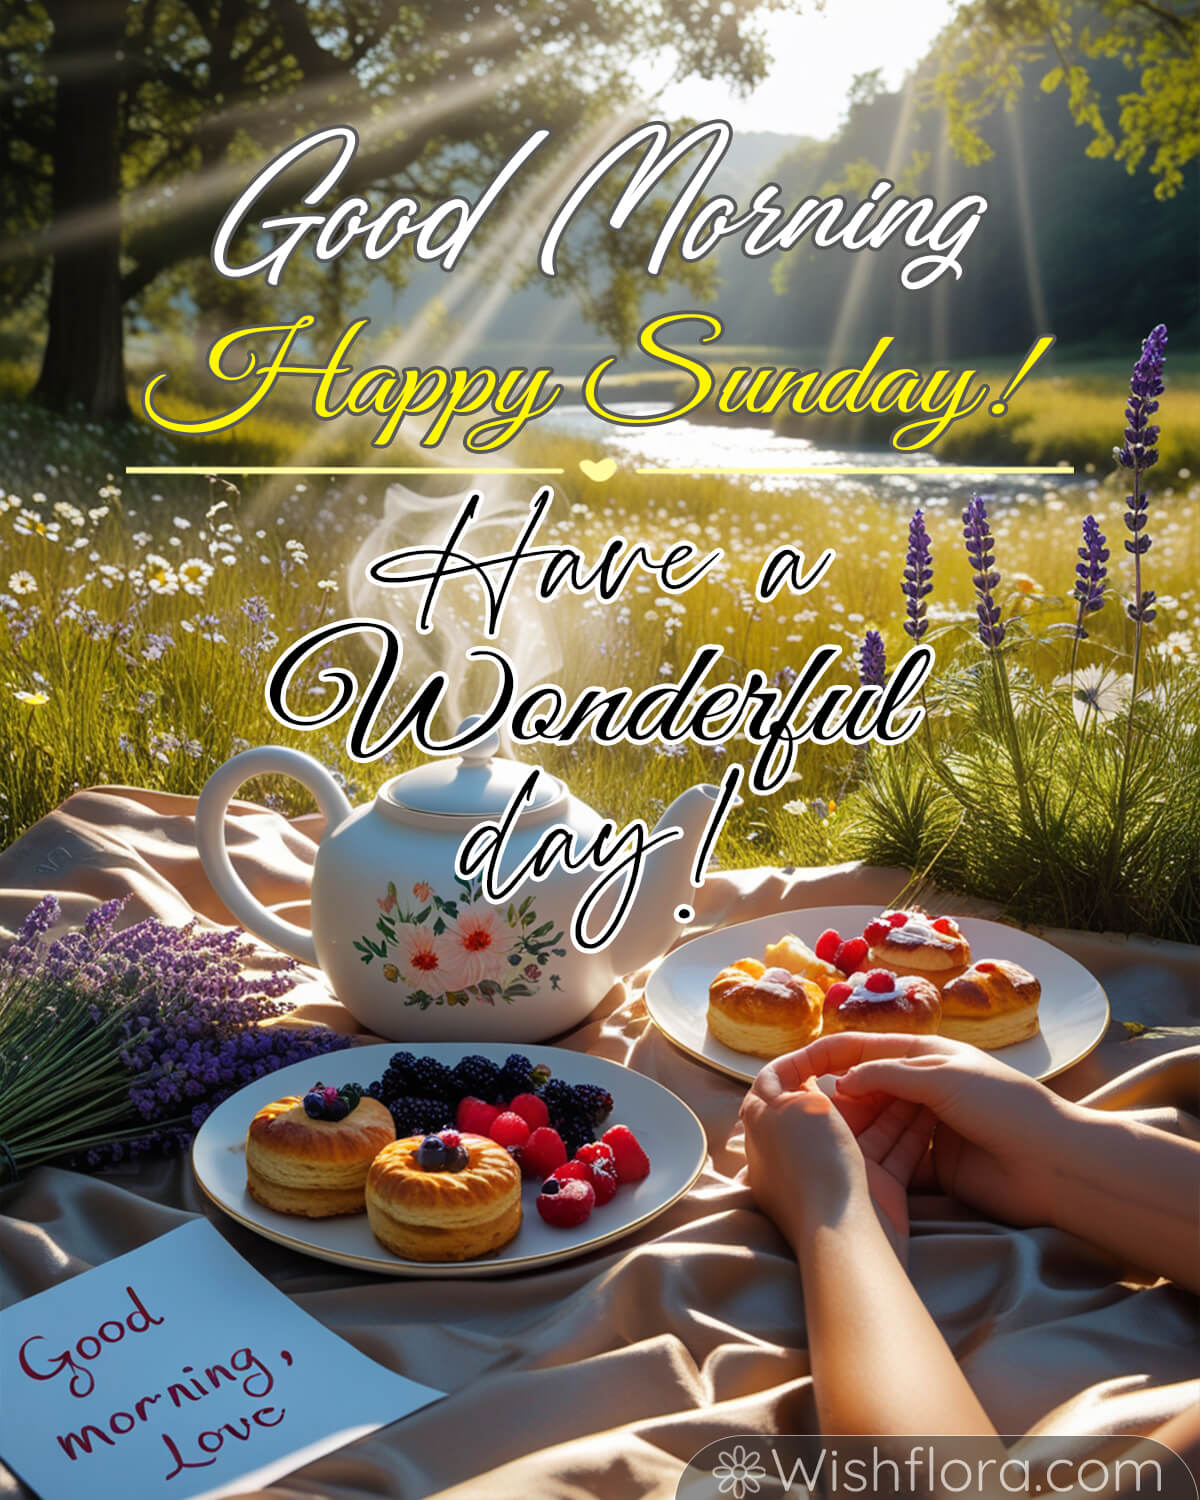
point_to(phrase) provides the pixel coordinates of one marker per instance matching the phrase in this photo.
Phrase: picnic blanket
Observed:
(602, 1376)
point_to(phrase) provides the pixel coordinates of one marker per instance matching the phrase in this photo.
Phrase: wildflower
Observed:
(918, 577)
(872, 660)
(125, 745)
(110, 574)
(160, 576)
(1097, 690)
(22, 582)
(255, 609)
(327, 585)
(97, 512)
(181, 523)
(1180, 645)
(1090, 573)
(796, 808)
(156, 647)
(981, 551)
(34, 700)
(194, 574)
(29, 523)
(1139, 454)
(69, 512)
(1026, 586)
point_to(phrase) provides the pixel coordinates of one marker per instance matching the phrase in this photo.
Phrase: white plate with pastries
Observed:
(1072, 1012)
(670, 1133)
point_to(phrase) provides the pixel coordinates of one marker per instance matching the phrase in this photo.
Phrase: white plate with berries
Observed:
(1073, 1013)
(566, 1103)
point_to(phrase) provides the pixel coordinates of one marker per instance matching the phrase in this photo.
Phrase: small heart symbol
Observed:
(599, 470)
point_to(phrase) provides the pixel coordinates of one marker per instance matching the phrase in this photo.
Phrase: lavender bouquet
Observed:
(118, 1044)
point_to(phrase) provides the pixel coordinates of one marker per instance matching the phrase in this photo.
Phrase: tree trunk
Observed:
(83, 364)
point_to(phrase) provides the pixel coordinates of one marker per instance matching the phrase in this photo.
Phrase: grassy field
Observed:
(140, 616)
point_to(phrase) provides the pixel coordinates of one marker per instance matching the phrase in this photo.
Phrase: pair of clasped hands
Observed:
(924, 1113)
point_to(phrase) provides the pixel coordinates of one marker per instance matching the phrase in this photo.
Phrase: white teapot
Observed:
(414, 951)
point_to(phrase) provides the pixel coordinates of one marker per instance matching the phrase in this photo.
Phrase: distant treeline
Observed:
(1071, 244)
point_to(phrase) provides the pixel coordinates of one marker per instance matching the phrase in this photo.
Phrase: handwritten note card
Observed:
(178, 1371)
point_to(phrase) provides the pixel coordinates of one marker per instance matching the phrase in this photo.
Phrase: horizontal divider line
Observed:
(327, 469)
(852, 469)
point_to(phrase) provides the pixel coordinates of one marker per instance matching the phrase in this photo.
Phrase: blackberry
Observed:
(575, 1128)
(431, 1079)
(559, 1097)
(397, 1077)
(516, 1076)
(416, 1116)
(593, 1101)
(476, 1076)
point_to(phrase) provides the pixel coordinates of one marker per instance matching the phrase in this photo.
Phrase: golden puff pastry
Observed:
(315, 1168)
(444, 1215)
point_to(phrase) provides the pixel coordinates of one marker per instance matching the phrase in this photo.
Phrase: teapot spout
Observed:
(653, 926)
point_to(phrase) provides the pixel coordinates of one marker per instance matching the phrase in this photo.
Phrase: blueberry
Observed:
(457, 1159)
(431, 1154)
(314, 1106)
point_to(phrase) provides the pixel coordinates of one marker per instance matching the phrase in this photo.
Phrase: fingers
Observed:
(888, 1127)
(912, 1147)
(920, 1079)
(835, 1054)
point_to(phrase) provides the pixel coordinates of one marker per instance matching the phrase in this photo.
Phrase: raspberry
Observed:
(631, 1161)
(605, 1181)
(594, 1151)
(836, 993)
(880, 981)
(531, 1109)
(850, 954)
(449, 1139)
(509, 1129)
(543, 1152)
(476, 1116)
(576, 1169)
(876, 931)
(946, 925)
(568, 1205)
(827, 945)
(897, 918)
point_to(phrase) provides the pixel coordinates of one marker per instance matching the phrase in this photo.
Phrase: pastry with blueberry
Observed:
(310, 1155)
(444, 1197)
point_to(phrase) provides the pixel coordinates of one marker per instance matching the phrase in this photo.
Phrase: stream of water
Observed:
(681, 443)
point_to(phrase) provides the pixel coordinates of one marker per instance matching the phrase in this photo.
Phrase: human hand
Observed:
(807, 1161)
(996, 1133)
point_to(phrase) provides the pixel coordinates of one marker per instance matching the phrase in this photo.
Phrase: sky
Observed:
(817, 56)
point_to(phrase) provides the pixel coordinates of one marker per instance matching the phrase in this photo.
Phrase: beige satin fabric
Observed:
(601, 1377)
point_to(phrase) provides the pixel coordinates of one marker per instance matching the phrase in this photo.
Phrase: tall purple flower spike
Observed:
(1140, 454)
(977, 533)
(918, 576)
(872, 660)
(1090, 573)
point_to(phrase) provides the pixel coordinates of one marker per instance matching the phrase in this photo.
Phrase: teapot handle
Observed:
(214, 855)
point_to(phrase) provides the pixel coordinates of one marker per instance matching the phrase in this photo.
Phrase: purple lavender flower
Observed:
(1145, 386)
(1140, 454)
(918, 576)
(977, 533)
(1090, 573)
(167, 1022)
(872, 660)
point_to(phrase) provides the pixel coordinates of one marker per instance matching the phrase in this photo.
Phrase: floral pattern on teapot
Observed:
(450, 952)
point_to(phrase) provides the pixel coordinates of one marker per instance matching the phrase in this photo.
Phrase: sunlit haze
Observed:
(816, 58)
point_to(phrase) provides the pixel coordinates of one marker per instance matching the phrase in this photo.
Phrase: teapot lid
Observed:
(477, 783)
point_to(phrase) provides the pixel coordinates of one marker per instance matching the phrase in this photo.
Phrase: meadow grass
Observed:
(141, 616)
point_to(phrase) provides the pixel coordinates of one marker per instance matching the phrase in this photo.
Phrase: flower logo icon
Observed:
(737, 1473)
